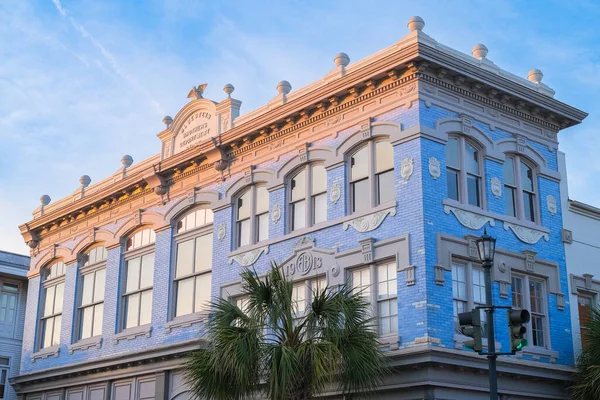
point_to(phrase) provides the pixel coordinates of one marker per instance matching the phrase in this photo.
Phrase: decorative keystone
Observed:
(479, 51)
(284, 87)
(416, 23)
(341, 60)
(228, 89)
(535, 76)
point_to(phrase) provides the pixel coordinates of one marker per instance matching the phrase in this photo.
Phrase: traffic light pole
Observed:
(487, 270)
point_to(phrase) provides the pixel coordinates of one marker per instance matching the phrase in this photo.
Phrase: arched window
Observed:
(193, 263)
(308, 196)
(51, 309)
(464, 171)
(138, 279)
(372, 175)
(90, 307)
(252, 216)
(519, 189)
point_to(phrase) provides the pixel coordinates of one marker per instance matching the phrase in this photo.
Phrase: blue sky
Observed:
(84, 82)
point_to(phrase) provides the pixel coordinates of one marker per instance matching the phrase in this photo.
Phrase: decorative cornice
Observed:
(370, 222)
(527, 235)
(248, 258)
(469, 219)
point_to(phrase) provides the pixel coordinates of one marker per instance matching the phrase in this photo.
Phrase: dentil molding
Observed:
(469, 219)
(369, 222)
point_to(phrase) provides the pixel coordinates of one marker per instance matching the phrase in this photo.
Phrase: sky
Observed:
(83, 82)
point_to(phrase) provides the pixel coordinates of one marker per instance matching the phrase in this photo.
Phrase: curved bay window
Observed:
(519, 189)
(139, 279)
(51, 310)
(371, 175)
(463, 171)
(308, 197)
(252, 216)
(91, 297)
(193, 264)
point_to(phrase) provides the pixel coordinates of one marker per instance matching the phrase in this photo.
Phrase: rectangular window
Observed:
(91, 309)
(137, 298)
(52, 315)
(468, 290)
(262, 213)
(8, 309)
(584, 305)
(452, 178)
(193, 275)
(3, 382)
(530, 294)
(319, 193)
(459, 289)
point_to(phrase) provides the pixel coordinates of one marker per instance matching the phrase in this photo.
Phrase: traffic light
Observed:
(516, 330)
(470, 325)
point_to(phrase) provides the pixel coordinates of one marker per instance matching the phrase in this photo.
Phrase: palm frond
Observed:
(586, 381)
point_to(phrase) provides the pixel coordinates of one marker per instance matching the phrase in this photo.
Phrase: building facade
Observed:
(381, 175)
(581, 225)
(13, 298)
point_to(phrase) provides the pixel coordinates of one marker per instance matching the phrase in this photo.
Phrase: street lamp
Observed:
(486, 246)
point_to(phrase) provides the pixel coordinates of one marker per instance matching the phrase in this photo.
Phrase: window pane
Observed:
(133, 274)
(87, 318)
(263, 227)
(262, 200)
(49, 302)
(459, 307)
(299, 215)
(202, 292)
(87, 290)
(243, 206)
(537, 327)
(185, 297)
(509, 197)
(47, 332)
(320, 208)
(137, 240)
(385, 187)
(459, 286)
(244, 232)
(388, 317)
(204, 252)
(517, 292)
(209, 217)
(8, 287)
(478, 286)
(298, 186)
(526, 177)
(386, 276)
(146, 308)
(100, 284)
(98, 314)
(147, 271)
(528, 207)
(359, 164)
(472, 159)
(360, 195)
(132, 306)
(452, 158)
(361, 283)
(299, 297)
(319, 179)
(384, 156)
(58, 298)
(185, 258)
(473, 190)
(452, 177)
(509, 172)
(56, 333)
(189, 222)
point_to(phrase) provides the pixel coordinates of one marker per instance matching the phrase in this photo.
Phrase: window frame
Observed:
(46, 284)
(309, 197)
(254, 216)
(518, 187)
(85, 270)
(181, 237)
(469, 267)
(526, 300)
(463, 174)
(127, 256)
(373, 296)
(372, 175)
(593, 304)
(18, 294)
(4, 372)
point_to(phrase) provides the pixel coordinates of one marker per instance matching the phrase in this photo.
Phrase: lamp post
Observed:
(486, 246)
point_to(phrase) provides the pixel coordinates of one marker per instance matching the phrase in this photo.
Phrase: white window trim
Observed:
(520, 208)
(463, 192)
(527, 306)
(47, 283)
(308, 197)
(186, 319)
(129, 255)
(86, 270)
(469, 267)
(373, 189)
(5, 367)
(253, 216)
(17, 305)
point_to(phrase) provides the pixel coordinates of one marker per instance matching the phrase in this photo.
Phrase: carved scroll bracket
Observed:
(469, 219)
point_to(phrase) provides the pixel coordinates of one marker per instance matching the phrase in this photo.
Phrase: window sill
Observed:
(45, 353)
(304, 231)
(186, 320)
(132, 333)
(537, 352)
(85, 344)
(508, 221)
(390, 342)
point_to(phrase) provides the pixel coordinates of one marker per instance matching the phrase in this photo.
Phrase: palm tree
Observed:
(264, 349)
(586, 382)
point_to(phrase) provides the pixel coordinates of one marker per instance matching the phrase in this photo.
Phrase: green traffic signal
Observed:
(522, 343)
(516, 330)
